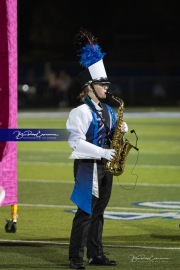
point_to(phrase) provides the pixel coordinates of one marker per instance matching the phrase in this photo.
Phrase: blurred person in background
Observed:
(159, 93)
(65, 83)
(53, 93)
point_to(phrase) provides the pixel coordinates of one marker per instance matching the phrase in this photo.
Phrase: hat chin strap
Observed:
(92, 86)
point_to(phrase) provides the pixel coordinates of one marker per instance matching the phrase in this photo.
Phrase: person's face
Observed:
(101, 90)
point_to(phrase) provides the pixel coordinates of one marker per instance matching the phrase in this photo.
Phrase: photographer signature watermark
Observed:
(31, 135)
(144, 258)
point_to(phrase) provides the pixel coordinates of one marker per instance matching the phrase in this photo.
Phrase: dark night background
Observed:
(141, 39)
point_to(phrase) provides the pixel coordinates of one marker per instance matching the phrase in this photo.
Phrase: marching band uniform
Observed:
(88, 128)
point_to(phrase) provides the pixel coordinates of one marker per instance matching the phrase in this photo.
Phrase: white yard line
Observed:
(37, 163)
(114, 183)
(67, 244)
(108, 208)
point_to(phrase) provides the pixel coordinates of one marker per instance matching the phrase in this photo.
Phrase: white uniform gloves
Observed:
(86, 150)
(124, 127)
(108, 153)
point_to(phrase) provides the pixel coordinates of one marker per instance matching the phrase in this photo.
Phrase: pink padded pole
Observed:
(8, 99)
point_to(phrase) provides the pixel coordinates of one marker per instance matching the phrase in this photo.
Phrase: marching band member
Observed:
(91, 125)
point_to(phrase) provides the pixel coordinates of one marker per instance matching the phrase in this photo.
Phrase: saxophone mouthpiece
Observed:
(115, 98)
(109, 94)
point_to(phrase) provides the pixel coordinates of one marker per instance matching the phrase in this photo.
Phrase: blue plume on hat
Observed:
(89, 52)
(90, 55)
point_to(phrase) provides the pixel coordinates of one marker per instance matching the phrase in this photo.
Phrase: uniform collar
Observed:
(97, 106)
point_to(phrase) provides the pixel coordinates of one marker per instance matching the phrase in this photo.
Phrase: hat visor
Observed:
(101, 81)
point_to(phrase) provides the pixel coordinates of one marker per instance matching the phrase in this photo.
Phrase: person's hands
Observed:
(108, 153)
(124, 127)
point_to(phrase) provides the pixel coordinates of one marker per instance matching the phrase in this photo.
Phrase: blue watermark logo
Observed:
(33, 135)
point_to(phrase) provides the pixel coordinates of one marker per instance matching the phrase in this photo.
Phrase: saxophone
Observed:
(119, 144)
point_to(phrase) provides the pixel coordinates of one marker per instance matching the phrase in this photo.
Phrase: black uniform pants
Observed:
(87, 229)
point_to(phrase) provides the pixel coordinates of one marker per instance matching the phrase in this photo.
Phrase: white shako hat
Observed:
(91, 58)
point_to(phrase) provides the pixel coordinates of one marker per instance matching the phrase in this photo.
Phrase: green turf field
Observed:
(137, 234)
